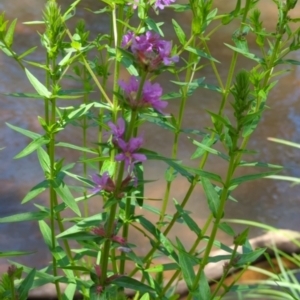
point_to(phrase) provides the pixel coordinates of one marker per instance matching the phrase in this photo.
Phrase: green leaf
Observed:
(211, 87)
(152, 25)
(212, 196)
(46, 233)
(26, 285)
(139, 172)
(163, 267)
(284, 142)
(38, 86)
(205, 146)
(226, 228)
(204, 174)
(14, 253)
(69, 292)
(44, 160)
(259, 164)
(9, 36)
(167, 247)
(241, 238)
(201, 53)
(246, 54)
(248, 258)
(145, 297)
(179, 32)
(204, 291)
(35, 191)
(176, 165)
(186, 265)
(239, 180)
(27, 216)
(170, 174)
(24, 95)
(25, 132)
(187, 219)
(35, 144)
(67, 145)
(27, 52)
(66, 196)
(66, 59)
(131, 283)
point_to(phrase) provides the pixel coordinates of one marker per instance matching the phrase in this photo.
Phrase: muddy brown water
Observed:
(267, 201)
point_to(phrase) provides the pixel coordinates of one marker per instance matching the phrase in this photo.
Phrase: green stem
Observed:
(96, 81)
(184, 90)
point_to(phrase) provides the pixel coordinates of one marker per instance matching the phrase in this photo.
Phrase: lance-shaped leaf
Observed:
(66, 196)
(35, 144)
(26, 285)
(213, 199)
(38, 86)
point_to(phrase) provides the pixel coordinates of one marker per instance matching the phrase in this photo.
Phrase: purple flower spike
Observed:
(150, 97)
(102, 183)
(117, 130)
(128, 155)
(149, 49)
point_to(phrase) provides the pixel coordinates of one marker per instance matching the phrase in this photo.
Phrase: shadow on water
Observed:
(266, 201)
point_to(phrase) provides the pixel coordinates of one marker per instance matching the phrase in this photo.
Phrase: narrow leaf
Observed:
(25, 132)
(38, 86)
(14, 253)
(26, 285)
(27, 52)
(67, 145)
(246, 54)
(9, 36)
(27, 216)
(131, 283)
(46, 233)
(35, 144)
(204, 288)
(179, 32)
(186, 265)
(35, 191)
(239, 180)
(212, 196)
(193, 226)
(66, 196)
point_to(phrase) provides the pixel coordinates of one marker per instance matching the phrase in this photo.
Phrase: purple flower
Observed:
(117, 130)
(158, 3)
(127, 38)
(150, 96)
(149, 49)
(102, 183)
(129, 155)
(162, 3)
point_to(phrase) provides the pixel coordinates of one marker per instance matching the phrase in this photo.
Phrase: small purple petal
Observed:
(139, 157)
(122, 144)
(134, 144)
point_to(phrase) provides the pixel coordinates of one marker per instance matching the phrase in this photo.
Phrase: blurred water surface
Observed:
(272, 202)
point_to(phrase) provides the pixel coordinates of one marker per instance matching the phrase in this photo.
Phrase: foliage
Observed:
(96, 267)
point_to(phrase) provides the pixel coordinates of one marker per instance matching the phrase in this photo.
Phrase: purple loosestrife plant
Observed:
(150, 96)
(122, 107)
